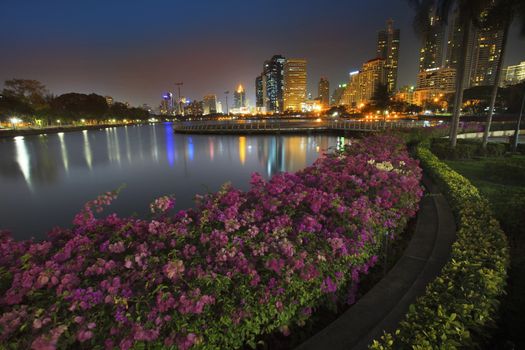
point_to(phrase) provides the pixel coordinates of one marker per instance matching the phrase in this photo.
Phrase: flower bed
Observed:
(240, 265)
(464, 299)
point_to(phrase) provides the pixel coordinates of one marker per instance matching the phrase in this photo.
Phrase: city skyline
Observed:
(135, 56)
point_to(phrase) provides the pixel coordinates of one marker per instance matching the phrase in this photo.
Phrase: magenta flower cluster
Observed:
(239, 265)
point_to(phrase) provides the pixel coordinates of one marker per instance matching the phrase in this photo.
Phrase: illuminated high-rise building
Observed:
(194, 108)
(273, 71)
(388, 50)
(294, 84)
(337, 95)
(239, 98)
(209, 104)
(431, 53)
(323, 91)
(434, 84)
(514, 74)
(363, 84)
(483, 51)
(486, 54)
(259, 91)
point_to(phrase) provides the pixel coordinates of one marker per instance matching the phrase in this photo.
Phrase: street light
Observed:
(15, 121)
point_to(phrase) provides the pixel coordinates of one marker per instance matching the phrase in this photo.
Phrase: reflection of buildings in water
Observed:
(113, 145)
(211, 146)
(295, 153)
(169, 144)
(139, 138)
(242, 149)
(154, 145)
(128, 147)
(46, 167)
(190, 149)
(63, 151)
(23, 159)
(270, 154)
(280, 154)
(87, 150)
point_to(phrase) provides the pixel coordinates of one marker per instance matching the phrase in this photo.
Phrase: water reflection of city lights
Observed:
(242, 149)
(22, 158)
(87, 150)
(63, 151)
(169, 144)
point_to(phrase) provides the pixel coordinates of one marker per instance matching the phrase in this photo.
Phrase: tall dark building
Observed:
(388, 50)
(323, 91)
(431, 54)
(259, 91)
(337, 95)
(273, 77)
(483, 52)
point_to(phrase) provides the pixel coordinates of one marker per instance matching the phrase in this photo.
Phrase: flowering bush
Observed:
(239, 265)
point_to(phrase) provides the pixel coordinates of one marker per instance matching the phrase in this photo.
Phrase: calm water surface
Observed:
(45, 180)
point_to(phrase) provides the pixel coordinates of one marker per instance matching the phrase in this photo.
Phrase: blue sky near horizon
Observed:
(135, 50)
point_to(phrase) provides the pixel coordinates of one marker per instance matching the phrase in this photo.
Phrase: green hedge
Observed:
(463, 300)
(466, 149)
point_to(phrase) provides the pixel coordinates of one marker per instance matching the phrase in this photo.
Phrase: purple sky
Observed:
(134, 50)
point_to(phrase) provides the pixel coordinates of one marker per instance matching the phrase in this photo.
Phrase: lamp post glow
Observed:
(15, 121)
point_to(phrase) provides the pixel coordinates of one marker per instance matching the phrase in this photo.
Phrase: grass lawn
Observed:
(502, 181)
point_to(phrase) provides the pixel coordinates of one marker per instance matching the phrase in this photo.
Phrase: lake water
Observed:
(45, 180)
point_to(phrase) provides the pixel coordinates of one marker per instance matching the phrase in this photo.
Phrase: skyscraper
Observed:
(239, 98)
(431, 53)
(514, 74)
(388, 50)
(273, 81)
(363, 84)
(209, 104)
(337, 95)
(434, 84)
(323, 91)
(483, 51)
(485, 56)
(259, 93)
(294, 84)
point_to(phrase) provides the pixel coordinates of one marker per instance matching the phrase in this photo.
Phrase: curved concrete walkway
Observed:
(385, 305)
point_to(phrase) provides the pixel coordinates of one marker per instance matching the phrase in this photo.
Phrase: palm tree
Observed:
(468, 15)
(500, 16)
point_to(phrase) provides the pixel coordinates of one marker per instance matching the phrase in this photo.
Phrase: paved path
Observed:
(387, 302)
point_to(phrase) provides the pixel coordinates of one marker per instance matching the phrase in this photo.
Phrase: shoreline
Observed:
(55, 130)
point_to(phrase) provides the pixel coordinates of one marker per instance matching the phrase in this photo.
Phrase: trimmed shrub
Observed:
(459, 305)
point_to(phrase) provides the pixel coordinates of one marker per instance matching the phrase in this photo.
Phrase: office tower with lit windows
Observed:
(337, 95)
(273, 71)
(514, 74)
(483, 51)
(434, 84)
(259, 92)
(388, 50)
(209, 104)
(323, 91)
(363, 84)
(431, 53)
(486, 54)
(239, 97)
(294, 84)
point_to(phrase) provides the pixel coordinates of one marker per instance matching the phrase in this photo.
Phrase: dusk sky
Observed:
(135, 50)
